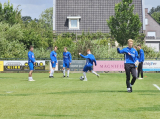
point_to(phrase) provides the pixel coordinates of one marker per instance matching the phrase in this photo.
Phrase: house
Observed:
(152, 31)
(86, 15)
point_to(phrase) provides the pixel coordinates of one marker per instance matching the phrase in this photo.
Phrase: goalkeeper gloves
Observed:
(136, 63)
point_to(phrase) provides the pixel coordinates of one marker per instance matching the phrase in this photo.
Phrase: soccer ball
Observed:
(81, 78)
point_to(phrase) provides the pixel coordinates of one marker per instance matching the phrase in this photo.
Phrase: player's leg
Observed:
(142, 70)
(93, 72)
(139, 69)
(52, 70)
(31, 67)
(85, 69)
(64, 75)
(127, 69)
(68, 69)
(133, 72)
(136, 72)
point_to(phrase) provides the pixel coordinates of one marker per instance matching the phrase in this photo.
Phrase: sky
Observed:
(151, 3)
(34, 8)
(31, 8)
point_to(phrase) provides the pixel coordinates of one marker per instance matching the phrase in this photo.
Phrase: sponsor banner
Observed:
(1, 66)
(151, 65)
(109, 66)
(76, 65)
(22, 65)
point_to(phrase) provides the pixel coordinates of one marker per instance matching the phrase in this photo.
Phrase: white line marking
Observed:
(9, 92)
(157, 86)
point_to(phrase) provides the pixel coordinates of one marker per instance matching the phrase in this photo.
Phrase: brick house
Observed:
(86, 15)
(152, 31)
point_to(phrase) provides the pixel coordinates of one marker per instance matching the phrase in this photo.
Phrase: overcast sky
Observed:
(151, 3)
(34, 8)
(31, 8)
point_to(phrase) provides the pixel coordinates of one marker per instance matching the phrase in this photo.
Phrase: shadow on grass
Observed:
(104, 91)
(17, 94)
(154, 108)
(46, 115)
(151, 92)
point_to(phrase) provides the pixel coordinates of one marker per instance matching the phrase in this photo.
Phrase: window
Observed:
(74, 22)
(146, 21)
(151, 34)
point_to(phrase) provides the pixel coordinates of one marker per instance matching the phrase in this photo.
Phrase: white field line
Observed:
(156, 86)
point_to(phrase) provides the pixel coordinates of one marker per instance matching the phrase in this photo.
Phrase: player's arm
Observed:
(121, 51)
(52, 57)
(30, 57)
(95, 62)
(141, 56)
(70, 58)
(136, 59)
(83, 56)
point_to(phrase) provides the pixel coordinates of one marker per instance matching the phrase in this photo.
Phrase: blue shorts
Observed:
(31, 66)
(65, 64)
(53, 64)
(87, 68)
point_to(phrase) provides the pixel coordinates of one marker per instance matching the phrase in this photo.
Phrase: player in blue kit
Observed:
(89, 64)
(130, 63)
(31, 62)
(141, 60)
(53, 57)
(67, 59)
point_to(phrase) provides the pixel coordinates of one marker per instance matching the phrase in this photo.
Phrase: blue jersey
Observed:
(67, 57)
(141, 55)
(131, 55)
(89, 59)
(31, 58)
(53, 56)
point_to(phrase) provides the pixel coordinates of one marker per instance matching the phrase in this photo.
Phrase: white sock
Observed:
(94, 72)
(128, 89)
(30, 78)
(52, 72)
(67, 72)
(64, 72)
(84, 74)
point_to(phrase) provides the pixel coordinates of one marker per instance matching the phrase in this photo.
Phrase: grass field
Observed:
(62, 98)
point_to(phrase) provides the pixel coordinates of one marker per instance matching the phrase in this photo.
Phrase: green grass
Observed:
(62, 98)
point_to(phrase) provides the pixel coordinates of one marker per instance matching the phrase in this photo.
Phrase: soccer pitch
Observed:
(69, 98)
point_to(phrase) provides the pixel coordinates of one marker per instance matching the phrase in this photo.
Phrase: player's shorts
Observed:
(87, 68)
(65, 64)
(31, 66)
(53, 64)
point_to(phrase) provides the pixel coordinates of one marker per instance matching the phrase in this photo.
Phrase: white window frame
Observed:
(151, 32)
(146, 21)
(73, 18)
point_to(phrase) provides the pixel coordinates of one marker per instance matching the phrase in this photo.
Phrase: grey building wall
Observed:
(93, 14)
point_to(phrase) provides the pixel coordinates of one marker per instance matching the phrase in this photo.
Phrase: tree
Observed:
(156, 16)
(9, 15)
(46, 19)
(124, 24)
(153, 10)
(26, 18)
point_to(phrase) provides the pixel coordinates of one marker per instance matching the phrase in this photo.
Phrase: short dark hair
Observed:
(31, 47)
(135, 46)
(139, 45)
